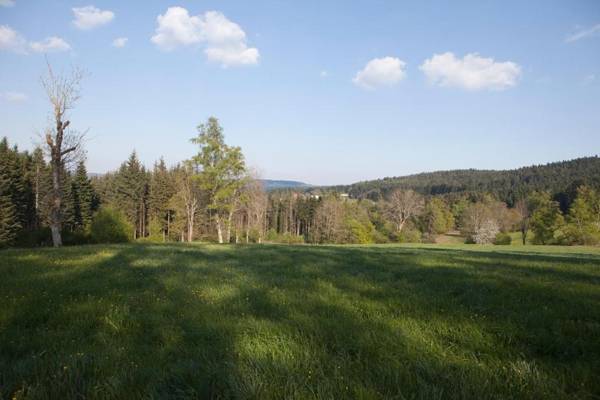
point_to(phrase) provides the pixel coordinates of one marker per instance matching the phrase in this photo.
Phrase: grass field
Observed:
(205, 321)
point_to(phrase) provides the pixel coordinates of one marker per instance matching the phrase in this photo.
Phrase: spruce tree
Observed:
(161, 190)
(131, 189)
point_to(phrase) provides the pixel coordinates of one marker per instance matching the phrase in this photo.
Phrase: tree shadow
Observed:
(170, 321)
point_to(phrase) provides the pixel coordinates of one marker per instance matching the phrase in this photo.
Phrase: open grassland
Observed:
(202, 321)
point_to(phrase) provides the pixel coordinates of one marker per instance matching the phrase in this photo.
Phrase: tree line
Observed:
(46, 197)
(560, 179)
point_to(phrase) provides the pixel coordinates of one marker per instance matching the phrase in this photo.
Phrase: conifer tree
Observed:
(131, 191)
(9, 224)
(162, 188)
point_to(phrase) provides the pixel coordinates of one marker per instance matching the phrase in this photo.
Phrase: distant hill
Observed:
(559, 178)
(271, 184)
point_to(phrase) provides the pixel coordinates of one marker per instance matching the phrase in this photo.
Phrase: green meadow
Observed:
(300, 322)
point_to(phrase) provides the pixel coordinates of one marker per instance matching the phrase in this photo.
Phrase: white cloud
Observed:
(583, 33)
(386, 71)
(324, 74)
(11, 40)
(225, 41)
(472, 72)
(90, 17)
(13, 97)
(589, 79)
(7, 3)
(120, 42)
(50, 45)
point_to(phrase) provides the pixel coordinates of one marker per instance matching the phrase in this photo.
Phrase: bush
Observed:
(503, 239)
(409, 235)
(34, 238)
(74, 238)
(110, 226)
(274, 237)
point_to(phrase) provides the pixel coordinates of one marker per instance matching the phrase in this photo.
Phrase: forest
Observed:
(212, 197)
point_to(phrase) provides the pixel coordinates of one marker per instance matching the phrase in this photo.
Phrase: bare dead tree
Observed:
(523, 209)
(256, 208)
(64, 146)
(403, 205)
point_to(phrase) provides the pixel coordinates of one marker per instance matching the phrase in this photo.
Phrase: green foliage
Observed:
(359, 232)
(222, 170)
(437, 217)
(110, 226)
(9, 223)
(299, 322)
(503, 239)
(287, 238)
(583, 221)
(131, 194)
(410, 235)
(546, 218)
(558, 178)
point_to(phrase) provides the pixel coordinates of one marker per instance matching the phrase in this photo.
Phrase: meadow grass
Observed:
(274, 321)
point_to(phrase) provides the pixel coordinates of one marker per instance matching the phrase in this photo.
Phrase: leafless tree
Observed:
(187, 201)
(328, 220)
(256, 206)
(402, 206)
(64, 145)
(523, 209)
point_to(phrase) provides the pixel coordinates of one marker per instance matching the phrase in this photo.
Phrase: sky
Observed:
(325, 92)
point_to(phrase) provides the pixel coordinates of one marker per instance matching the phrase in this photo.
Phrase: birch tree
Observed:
(221, 170)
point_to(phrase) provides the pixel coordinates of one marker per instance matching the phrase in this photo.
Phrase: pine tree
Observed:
(84, 193)
(131, 193)
(161, 191)
(9, 223)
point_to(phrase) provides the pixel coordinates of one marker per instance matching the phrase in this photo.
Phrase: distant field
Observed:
(370, 322)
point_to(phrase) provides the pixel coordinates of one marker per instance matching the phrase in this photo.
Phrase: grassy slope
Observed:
(305, 322)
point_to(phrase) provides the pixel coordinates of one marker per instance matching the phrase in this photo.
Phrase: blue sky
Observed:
(320, 91)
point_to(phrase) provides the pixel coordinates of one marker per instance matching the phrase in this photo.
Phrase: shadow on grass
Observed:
(171, 321)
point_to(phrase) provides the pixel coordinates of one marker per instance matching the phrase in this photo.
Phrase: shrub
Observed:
(110, 226)
(409, 235)
(34, 238)
(75, 238)
(503, 239)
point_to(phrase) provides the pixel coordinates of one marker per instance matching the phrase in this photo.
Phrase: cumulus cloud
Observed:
(90, 17)
(472, 72)
(120, 42)
(7, 3)
(13, 97)
(386, 71)
(583, 33)
(50, 45)
(11, 40)
(225, 42)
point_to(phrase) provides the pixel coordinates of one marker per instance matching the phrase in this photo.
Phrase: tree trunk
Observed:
(228, 231)
(191, 229)
(55, 217)
(219, 229)
(168, 222)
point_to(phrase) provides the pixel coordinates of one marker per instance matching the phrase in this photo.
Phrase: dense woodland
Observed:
(47, 198)
(561, 179)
